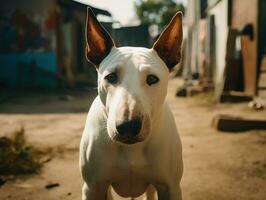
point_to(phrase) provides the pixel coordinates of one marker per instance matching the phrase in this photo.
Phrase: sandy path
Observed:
(217, 165)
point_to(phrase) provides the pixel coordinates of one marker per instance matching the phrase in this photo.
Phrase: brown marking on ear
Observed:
(168, 45)
(99, 42)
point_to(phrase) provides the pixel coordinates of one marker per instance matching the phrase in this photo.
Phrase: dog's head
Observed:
(132, 81)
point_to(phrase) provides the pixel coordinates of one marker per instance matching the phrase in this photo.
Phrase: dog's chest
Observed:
(130, 181)
(131, 173)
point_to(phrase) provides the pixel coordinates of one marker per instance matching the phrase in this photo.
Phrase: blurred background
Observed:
(217, 92)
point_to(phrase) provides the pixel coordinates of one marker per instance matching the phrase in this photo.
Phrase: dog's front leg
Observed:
(151, 193)
(94, 192)
(169, 192)
(109, 194)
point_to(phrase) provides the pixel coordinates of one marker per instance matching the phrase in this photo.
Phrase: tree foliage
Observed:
(157, 12)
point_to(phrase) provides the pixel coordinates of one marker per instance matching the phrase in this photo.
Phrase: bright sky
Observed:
(121, 10)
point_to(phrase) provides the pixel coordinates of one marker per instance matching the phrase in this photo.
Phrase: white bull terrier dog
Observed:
(130, 141)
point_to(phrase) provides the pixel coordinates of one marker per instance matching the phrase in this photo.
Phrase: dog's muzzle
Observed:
(127, 131)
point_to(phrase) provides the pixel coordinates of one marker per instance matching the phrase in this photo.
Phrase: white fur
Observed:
(157, 158)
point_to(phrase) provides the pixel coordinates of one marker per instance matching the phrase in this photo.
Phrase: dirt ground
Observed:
(217, 165)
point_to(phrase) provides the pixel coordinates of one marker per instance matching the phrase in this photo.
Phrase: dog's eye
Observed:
(111, 78)
(152, 79)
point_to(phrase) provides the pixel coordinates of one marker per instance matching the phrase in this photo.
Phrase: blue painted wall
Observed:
(43, 76)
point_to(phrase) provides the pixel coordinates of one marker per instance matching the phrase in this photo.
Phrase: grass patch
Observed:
(17, 156)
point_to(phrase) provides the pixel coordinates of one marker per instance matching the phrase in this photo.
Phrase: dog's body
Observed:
(130, 139)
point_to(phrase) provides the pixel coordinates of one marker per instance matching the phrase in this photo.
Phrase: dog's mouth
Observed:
(127, 140)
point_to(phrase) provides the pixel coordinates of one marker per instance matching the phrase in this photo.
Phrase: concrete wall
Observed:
(38, 13)
(220, 12)
(31, 6)
(192, 47)
(28, 44)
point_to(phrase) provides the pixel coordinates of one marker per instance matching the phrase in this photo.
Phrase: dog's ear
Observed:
(168, 45)
(99, 42)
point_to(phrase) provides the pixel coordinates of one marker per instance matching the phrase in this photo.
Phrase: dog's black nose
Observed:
(129, 129)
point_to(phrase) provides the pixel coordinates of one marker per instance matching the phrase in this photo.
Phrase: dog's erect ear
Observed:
(99, 42)
(168, 45)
